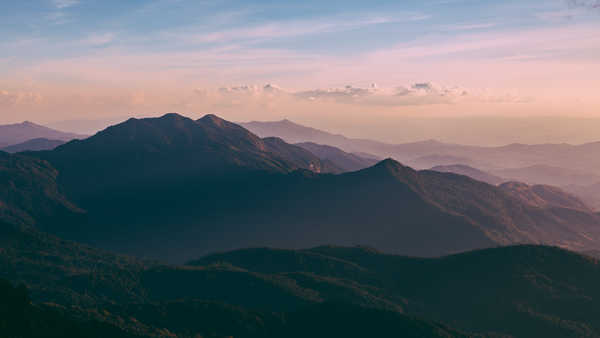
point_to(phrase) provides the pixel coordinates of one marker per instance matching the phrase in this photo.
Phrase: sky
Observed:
(347, 65)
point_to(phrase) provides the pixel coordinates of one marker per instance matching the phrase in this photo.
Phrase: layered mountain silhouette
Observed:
(548, 175)
(173, 188)
(571, 196)
(12, 134)
(33, 145)
(574, 157)
(466, 170)
(543, 196)
(429, 161)
(340, 158)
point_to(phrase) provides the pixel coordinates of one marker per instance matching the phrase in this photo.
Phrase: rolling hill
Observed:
(520, 291)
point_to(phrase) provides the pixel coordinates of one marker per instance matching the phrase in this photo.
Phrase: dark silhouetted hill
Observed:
(519, 291)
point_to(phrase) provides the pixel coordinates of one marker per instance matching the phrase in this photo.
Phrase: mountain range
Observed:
(586, 194)
(177, 190)
(474, 173)
(510, 156)
(173, 188)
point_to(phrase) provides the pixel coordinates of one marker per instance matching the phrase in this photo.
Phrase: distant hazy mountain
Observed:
(301, 157)
(428, 161)
(172, 188)
(572, 157)
(543, 196)
(34, 145)
(340, 158)
(12, 134)
(475, 174)
(544, 174)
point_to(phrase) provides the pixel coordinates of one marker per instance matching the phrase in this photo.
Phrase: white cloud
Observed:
(420, 93)
(65, 3)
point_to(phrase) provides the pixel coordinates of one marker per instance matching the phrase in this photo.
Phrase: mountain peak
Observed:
(286, 121)
(213, 119)
(390, 163)
(173, 116)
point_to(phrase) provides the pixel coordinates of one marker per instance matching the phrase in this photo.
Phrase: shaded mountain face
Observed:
(578, 157)
(543, 196)
(12, 134)
(340, 158)
(173, 188)
(465, 170)
(170, 150)
(35, 144)
(20, 318)
(29, 193)
(95, 293)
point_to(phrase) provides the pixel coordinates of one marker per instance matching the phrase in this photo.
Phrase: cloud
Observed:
(60, 4)
(591, 4)
(11, 98)
(415, 94)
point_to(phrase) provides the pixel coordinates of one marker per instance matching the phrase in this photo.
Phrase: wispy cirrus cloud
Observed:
(293, 28)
